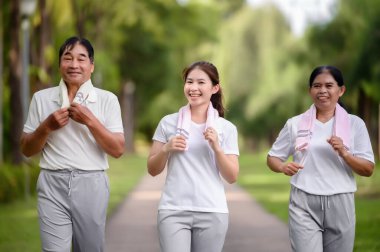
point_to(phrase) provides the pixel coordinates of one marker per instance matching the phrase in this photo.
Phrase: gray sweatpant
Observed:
(72, 207)
(188, 231)
(321, 223)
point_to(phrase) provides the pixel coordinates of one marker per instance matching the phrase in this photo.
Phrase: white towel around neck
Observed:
(80, 97)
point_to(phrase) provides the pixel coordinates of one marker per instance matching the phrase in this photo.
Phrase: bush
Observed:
(14, 179)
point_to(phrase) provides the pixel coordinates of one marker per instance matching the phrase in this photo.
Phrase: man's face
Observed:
(76, 66)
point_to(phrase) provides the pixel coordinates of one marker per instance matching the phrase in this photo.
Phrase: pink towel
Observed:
(184, 120)
(341, 127)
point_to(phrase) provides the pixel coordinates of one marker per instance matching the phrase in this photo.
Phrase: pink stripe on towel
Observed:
(341, 128)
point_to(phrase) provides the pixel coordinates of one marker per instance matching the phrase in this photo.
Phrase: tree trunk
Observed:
(44, 40)
(80, 18)
(16, 122)
(127, 105)
(364, 107)
(1, 84)
(367, 110)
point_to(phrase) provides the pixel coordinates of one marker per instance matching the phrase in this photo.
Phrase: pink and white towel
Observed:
(184, 120)
(341, 127)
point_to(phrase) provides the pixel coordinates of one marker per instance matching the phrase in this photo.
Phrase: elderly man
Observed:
(74, 125)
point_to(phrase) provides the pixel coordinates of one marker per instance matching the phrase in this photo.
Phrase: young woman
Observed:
(199, 148)
(328, 146)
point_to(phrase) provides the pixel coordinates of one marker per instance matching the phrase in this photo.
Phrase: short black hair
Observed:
(71, 42)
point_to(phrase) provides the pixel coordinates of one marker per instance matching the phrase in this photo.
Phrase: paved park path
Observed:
(132, 227)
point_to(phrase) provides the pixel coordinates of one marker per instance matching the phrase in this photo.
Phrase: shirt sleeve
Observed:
(230, 144)
(33, 120)
(282, 146)
(362, 144)
(159, 134)
(113, 121)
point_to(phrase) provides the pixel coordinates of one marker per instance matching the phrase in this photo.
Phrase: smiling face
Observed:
(75, 65)
(198, 88)
(325, 91)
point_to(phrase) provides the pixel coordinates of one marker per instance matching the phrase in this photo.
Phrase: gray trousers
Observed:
(188, 231)
(321, 223)
(72, 207)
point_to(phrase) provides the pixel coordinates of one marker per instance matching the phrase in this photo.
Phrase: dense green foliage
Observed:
(264, 68)
(17, 182)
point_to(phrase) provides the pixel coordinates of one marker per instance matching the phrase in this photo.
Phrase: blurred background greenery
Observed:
(264, 50)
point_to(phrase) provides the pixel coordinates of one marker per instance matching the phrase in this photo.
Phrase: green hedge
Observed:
(17, 181)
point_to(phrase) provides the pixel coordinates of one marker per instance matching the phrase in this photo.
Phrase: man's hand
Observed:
(58, 119)
(80, 114)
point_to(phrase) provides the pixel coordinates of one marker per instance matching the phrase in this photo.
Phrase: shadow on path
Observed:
(132, 227)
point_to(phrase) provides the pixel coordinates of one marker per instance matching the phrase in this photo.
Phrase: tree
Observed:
(353, 53)
(1, 83)
(16, 123)
(258, 70)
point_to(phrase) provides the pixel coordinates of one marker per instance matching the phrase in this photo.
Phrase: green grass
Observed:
(124, 174)
(19, 230)
(19, 226)
(272, 191)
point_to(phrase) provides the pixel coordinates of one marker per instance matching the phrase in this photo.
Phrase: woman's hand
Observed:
(359, 165)
(277, 165)
(291, 168)
(159, 153)
(176, 143)
(211, 135)
(338, 146)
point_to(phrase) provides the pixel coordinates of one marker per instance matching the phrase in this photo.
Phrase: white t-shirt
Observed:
(193, 182)
(73, 146)
(324, 172)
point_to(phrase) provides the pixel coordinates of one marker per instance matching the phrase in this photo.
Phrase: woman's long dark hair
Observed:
(212, 72)
(335, 73)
